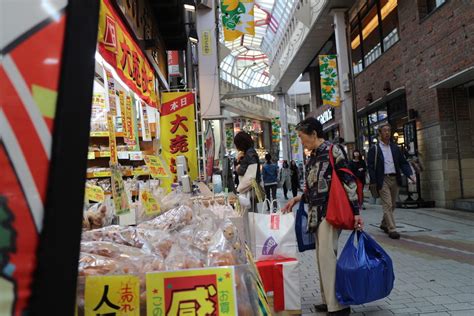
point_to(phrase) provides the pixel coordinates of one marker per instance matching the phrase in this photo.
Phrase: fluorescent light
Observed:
(372, 25)
(189, 7)
(193, 36)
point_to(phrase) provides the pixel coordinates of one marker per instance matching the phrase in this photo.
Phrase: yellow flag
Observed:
(237, 18)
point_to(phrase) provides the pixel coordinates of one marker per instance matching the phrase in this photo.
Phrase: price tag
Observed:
(122, 154)
(94, 193)
(102, 174)
(157, 167)
(198, 292)
(100, 134)
(112, 295)
(136, 155)
(104, 154)
(91, 155)
(149, 203)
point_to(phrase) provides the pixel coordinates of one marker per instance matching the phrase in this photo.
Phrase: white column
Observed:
(284, 125)
(343, 74)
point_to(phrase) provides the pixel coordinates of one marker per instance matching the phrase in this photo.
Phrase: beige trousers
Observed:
(388, 195)
(326, 254)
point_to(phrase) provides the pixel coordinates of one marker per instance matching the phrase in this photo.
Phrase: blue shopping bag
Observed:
(364, 271)
(305, 239)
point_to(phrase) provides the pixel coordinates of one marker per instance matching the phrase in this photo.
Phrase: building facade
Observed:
(406, 70)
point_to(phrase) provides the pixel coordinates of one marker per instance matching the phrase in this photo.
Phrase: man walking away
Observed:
(385, 164)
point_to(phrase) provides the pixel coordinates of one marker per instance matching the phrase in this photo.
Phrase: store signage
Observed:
(112, 295)
(178, 132)
(329, 80)
(119, 49)
(136, 155)
(112, 139)
(192, 292)
(158, 168)
(173, 63)
(94, 193)
(209, 146)
(119, 195)
(149, 202)
(91, 155)
(326, 116)
(111, 99)
(206, 43)
(129, 122)
(123, 155)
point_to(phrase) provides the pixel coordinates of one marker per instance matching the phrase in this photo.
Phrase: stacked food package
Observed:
(184, 237)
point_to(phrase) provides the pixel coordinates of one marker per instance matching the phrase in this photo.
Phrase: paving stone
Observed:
(423, 293)
(437, 300)
(379, 313)
(447, 291)
(461, 313)
(432, 308)
(409, 310)
(459, 306)
(435, 314)
(464, 298)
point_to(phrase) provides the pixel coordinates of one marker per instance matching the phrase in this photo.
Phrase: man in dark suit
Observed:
(385, 163)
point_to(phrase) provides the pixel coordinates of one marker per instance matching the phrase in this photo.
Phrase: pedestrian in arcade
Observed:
(247, 155)
(285, 178)
(358, 168)
(295, 178)
(270, 181)
(385, 163)
(318, 183)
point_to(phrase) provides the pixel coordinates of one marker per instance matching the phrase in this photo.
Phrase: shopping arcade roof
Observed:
(247, 64)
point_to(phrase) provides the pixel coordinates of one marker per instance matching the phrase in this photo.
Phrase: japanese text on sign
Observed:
(112, 295)
(194, 292)
(158, 169)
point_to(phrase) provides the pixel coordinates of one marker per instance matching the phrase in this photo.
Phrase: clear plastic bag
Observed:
(172, 220)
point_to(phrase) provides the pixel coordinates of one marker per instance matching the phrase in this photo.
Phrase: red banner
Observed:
(119, 49)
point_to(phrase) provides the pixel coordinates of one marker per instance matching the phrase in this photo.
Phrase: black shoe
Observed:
(321, 308)
(394, 235)
(385, 229)
(342, 312)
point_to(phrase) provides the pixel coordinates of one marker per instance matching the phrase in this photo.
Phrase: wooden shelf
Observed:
(107, 174)
(99, 134)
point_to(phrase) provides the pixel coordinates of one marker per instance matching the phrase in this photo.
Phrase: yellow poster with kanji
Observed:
(157, 168)
(94, 193)
(112, 139)
(178, 133)
(197, 292)
(112, 295)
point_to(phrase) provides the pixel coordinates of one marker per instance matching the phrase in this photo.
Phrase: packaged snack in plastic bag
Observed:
(220, 251)
(182, 256)
(121, 235)
(156, 241)
(172, 220)
(98, 215)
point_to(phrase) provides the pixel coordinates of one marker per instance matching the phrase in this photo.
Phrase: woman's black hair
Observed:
(311, 125)
(285, 164)
(358, 151)
(268, 158)
(243, 141)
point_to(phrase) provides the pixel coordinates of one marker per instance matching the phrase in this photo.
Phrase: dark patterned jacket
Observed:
(318, 182)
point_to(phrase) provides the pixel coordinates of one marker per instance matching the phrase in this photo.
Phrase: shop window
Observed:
(373, 31)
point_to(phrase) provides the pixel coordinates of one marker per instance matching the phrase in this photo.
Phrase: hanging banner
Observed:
(178, 132)
(111, 93)
(112, 139)
(149, 202)
(329, 80)
(129, 122)
(146, 132)
(117, 295)
(123, 112)
(192, 292)
(276, 130)
(173, 63)
(229, 136)
(209, 146)
(119, 49)
(237, 18)
(118, 192)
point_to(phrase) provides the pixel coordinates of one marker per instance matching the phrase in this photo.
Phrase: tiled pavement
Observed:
(433, 262)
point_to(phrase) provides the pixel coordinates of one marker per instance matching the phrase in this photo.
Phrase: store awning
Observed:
(455, 80)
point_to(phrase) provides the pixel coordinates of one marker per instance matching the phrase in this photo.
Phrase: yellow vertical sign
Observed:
(119, 195)
(112, 295)
(123, 112)
(129, 122)
(112, 139)
(94, 193)
(178, 133)
(192, 292)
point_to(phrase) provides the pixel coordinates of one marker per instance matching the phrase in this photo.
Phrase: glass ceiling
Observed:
(247, 64)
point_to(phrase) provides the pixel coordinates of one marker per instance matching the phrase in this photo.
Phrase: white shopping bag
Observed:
(273, 235)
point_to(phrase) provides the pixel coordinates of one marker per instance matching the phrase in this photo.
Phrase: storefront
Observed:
(392, 111)
(254, 127)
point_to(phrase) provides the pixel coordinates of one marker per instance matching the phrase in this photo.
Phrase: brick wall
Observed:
(430, 49)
